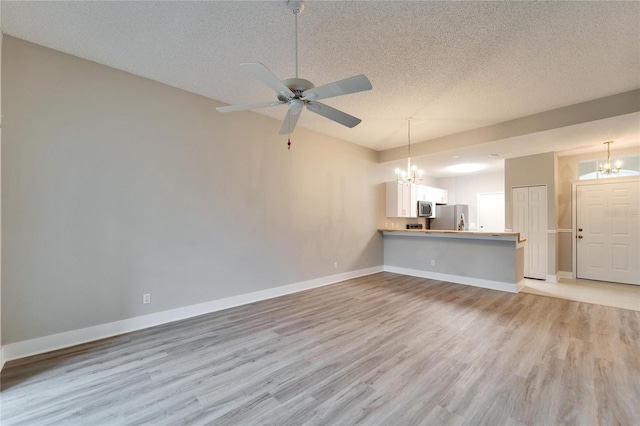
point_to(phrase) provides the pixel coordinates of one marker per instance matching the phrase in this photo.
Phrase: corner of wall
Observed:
(1, 357)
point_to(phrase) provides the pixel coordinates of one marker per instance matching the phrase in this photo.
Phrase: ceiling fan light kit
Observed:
(297, 93)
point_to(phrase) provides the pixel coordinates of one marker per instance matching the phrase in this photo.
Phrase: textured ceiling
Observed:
(452, 66)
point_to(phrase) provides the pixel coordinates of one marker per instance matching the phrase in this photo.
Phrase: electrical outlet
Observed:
(433, 262)
(335, 265)
(146, 298)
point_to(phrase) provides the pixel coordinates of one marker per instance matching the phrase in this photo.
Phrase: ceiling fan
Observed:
(298, 93)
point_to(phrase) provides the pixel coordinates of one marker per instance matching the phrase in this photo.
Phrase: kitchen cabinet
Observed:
(428, 193)
(402, 200)
(421, 193)
(399, 200)
(440, 196)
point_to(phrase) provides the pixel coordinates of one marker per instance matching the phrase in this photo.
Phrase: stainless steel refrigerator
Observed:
(448, 217)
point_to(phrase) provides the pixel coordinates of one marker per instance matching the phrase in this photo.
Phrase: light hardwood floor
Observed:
(382, 350)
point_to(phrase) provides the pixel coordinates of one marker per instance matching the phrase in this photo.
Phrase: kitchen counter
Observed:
(464, 234)
(492, 260)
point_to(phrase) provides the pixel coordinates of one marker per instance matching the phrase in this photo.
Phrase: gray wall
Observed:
(114, 186)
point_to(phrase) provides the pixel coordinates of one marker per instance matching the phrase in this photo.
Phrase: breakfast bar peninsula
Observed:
(492, 260)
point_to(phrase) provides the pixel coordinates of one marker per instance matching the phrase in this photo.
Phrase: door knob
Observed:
(580, 229)
(580, 236)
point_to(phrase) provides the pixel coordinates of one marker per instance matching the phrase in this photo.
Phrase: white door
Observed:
(530, 220)
(608, 235)
(491, 211)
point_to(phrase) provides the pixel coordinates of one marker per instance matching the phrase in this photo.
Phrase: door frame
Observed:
(574, 211)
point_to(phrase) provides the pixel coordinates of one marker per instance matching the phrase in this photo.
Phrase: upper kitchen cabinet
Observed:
(400, 199)
(440, 196)
(428, 193)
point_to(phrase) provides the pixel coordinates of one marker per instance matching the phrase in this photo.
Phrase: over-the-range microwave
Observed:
(426, 209)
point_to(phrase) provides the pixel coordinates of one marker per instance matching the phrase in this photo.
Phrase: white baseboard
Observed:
(53, 342)
(1, 358)
(566, 274)
(476, 282)
(552, 279)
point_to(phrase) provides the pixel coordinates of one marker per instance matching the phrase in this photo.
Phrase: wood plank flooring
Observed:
(384, 349)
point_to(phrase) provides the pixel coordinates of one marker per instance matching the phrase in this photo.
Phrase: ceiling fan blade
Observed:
(358, 83)
(291, 119)
(263, 74)
(333, 114)
(232, 108)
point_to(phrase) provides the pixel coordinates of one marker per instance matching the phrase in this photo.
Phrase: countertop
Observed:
(471, 234)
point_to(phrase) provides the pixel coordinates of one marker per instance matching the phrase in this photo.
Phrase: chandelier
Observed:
(412, 175)
(608, 168)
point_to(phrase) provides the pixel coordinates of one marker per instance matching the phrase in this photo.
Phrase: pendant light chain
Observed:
(409, 136)
(412, 175)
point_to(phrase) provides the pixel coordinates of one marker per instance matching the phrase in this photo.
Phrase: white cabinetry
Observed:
(422, 193)
(399, 200)
(402, 200)
(438, 195)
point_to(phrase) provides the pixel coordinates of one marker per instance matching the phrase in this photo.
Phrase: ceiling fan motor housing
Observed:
(297, 86)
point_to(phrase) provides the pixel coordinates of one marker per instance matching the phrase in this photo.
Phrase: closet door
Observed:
(530, 220)
(537, 240)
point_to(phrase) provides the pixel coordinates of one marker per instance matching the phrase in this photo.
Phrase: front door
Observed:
(608, 235)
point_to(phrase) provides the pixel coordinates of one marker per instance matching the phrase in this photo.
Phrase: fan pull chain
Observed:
(289, 126)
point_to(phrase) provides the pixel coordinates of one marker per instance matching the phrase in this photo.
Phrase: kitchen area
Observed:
(427, 237)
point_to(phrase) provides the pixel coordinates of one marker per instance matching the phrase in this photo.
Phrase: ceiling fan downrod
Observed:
(296, 7)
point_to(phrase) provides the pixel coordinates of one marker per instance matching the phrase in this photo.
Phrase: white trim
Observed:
(552, 279)
(476, 282)
(52, 342)
(2, 360)
(567, 275)
(565, 230)
(551, 231)
(574, 215)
